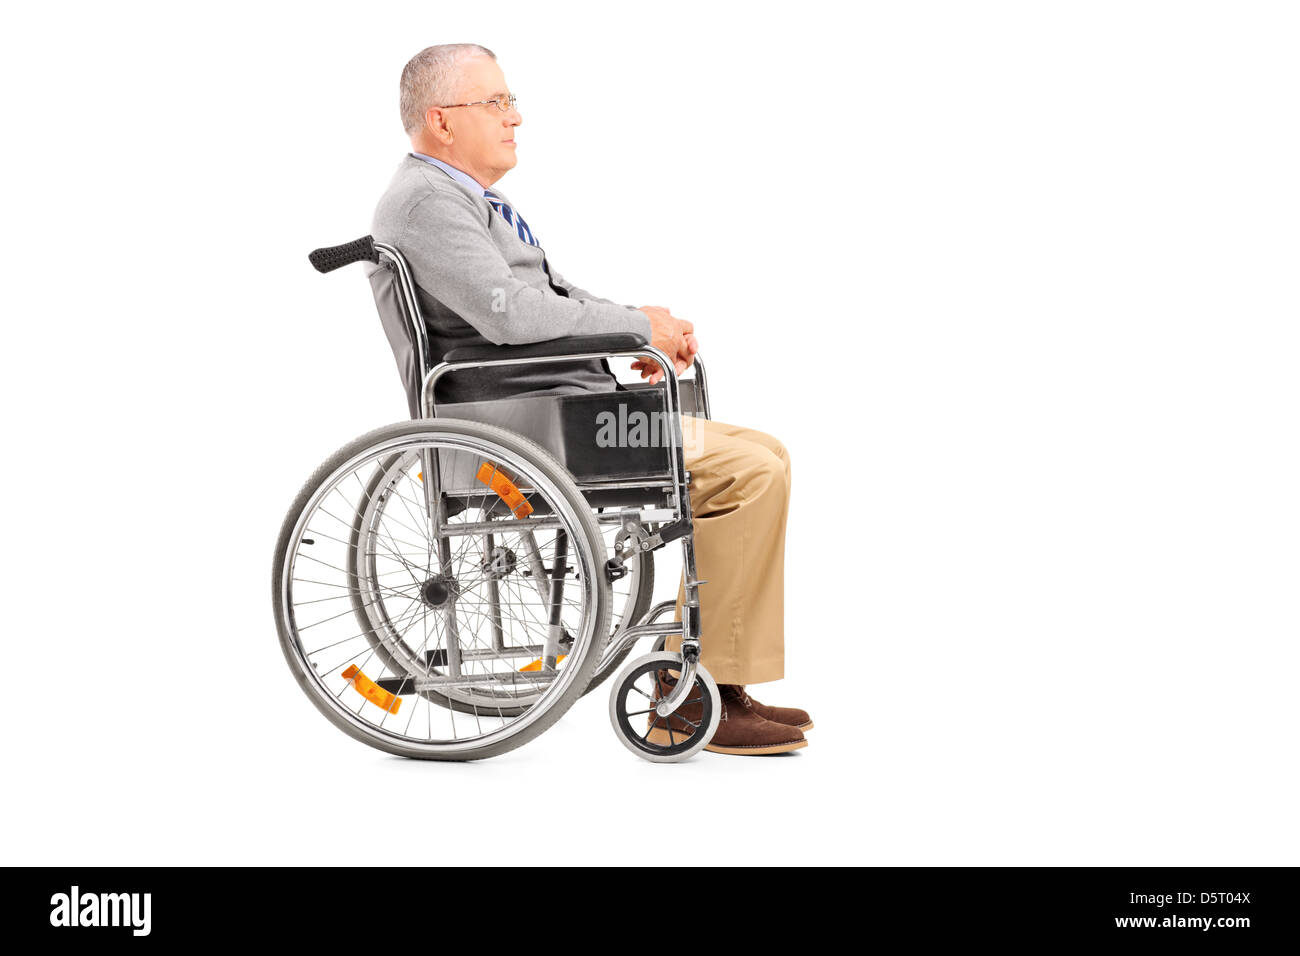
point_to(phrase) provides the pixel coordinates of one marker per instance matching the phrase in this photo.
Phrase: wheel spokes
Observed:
(428, 627)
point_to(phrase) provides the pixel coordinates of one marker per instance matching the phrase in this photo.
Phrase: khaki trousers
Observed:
(740, 491)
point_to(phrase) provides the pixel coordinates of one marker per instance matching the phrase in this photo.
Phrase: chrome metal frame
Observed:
(678, 480)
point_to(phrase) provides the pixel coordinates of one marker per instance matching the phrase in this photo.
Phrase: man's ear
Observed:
(435, 120)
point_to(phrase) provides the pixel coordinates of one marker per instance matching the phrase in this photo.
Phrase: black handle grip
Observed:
(336, 257)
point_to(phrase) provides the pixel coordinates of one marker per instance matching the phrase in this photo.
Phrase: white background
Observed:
(1014, 282)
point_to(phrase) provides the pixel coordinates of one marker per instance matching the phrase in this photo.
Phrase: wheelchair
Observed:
(445, 588)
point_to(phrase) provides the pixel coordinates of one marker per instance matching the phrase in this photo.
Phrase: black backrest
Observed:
(386, 288)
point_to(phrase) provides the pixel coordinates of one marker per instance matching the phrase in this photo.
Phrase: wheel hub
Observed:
(439, 590)
(499, 563)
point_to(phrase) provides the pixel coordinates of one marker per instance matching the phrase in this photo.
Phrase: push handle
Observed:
(336, 257)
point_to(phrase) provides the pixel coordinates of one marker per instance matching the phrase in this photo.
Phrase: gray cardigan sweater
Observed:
(478, 283)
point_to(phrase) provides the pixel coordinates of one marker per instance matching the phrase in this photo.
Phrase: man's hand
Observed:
(672, 336)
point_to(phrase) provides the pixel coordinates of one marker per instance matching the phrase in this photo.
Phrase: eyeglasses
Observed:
(503, 103)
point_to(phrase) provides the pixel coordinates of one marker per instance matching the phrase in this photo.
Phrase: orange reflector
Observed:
(372, 691)
(537, 664)
(503, 486)
(420, 475)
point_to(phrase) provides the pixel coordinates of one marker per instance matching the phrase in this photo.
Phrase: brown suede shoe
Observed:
(740, 731)
(780, 715)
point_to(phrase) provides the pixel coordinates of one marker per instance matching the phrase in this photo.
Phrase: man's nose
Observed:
(514, 117)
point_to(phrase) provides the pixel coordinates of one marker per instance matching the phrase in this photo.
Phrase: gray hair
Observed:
(432, 78)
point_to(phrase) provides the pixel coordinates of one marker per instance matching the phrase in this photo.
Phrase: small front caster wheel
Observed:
(645, 682)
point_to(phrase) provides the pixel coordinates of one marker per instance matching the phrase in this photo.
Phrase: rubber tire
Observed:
(702, 678)
(546, 464)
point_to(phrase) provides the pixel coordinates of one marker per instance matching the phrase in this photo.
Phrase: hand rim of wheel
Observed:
(477, 445)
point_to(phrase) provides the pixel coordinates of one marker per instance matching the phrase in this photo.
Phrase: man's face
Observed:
(483, 137)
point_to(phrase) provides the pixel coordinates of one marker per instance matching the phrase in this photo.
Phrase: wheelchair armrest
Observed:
(574, 345)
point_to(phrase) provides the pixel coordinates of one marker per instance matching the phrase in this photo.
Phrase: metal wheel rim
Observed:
(633, 739)
(589, 568)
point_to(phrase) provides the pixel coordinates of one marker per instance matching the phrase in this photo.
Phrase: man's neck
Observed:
(450, 165)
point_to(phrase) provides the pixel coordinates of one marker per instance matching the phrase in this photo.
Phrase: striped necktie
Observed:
(512, 217)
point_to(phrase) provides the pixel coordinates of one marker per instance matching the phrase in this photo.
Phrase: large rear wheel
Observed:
(405, 614)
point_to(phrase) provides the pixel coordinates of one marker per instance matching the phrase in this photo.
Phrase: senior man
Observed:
(483, 278)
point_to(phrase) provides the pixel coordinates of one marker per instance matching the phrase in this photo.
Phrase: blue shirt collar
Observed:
(465, 179)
